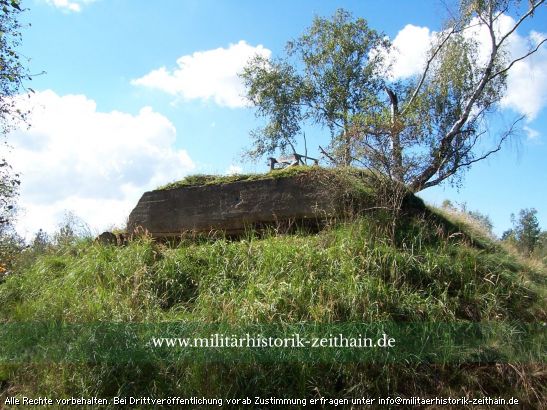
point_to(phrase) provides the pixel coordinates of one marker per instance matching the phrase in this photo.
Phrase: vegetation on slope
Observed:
(349, 273)
(204, 179)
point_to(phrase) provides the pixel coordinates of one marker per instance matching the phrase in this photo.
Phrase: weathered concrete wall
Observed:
(231, 207)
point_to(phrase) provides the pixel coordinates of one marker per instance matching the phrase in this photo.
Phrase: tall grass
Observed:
(351, 272)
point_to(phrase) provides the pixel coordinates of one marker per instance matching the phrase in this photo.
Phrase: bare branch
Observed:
(460, 165)
(305, 147)
(446, 141)
(500, 13)
(533, 7)
(380, 156)
(326, 154)
(426, 70)
(519, 59)
(291, 145)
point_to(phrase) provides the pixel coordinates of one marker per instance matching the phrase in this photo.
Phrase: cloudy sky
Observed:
(137, 93)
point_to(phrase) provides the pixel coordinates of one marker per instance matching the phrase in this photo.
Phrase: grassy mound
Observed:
(349, 273)
(205, 179)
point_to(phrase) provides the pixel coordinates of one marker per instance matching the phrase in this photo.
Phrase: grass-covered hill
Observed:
(438, 270)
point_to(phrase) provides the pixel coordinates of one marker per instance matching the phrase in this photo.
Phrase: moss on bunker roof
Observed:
(203, 179)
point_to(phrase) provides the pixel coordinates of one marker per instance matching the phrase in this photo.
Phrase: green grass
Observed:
(347, 273)
(203, 179)
(350, 272)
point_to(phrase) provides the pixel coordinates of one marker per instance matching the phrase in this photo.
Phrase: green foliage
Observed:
(12, 69)
(526, 234)
(201, 179)
(349, 273)
(11, 246)
(9, 184)
(526, 230)
(12, 75)
(540, 250)
(418, 130)
(70, 229)
(40, 242)
(474, 217)
(313, 172)
(339, 76)
(483, 219)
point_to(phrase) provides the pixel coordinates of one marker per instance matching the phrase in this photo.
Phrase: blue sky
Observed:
(137, 93)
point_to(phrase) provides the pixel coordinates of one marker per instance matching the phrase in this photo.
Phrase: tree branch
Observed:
(533, 7)
(459, 165)
(519, 59)
(446, 141)
(326, 154)
(426, 69)
(486, 77)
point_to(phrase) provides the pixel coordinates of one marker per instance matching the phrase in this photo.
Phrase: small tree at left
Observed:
(13, 74)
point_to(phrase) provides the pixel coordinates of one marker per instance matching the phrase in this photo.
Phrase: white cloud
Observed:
(411, 46)
(531, 133)
(206, 75)
(74, 6)
(527, 80)
(94, 163)
(233, 170)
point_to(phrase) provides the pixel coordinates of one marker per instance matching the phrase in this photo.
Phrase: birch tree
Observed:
(419, 131)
